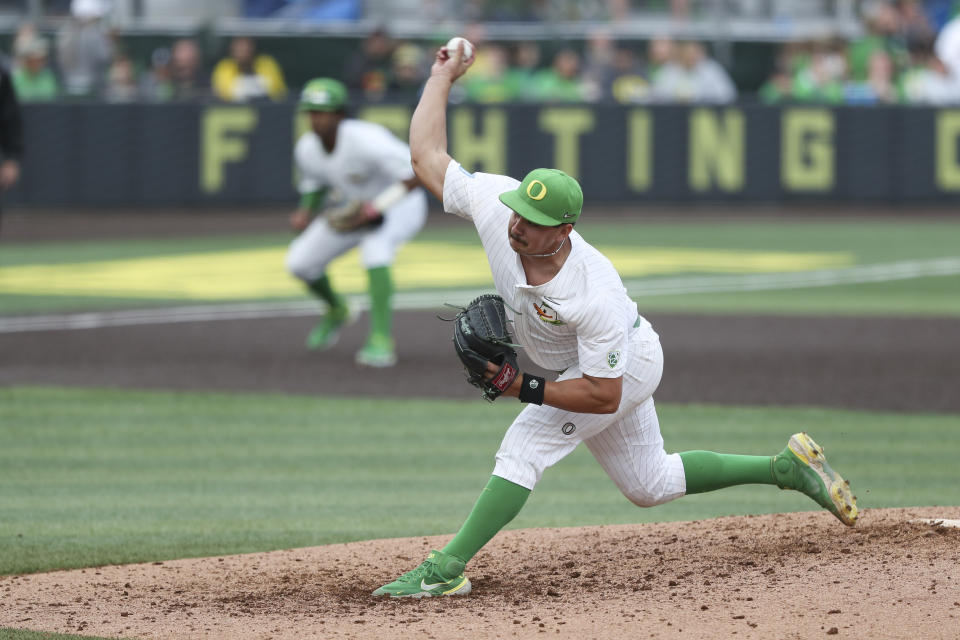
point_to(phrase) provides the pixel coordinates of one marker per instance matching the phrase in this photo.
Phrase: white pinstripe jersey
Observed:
(582, 316)
(366, 160)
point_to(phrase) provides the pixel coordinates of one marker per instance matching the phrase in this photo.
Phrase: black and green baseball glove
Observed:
(480, 335)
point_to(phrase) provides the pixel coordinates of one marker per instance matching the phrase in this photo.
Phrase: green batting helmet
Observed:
(323, 94)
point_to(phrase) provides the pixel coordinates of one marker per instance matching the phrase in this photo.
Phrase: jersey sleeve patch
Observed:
(613, 359)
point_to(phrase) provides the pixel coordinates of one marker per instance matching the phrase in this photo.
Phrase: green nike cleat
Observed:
(803, 467)
(430, 579)
(378, 352)
(325, 334)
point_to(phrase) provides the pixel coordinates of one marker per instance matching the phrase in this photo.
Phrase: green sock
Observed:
(707, 471)
(499, 503)
(322, 289)
(381, 290)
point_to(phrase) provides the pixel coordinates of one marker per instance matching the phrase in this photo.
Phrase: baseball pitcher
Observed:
(566, 305)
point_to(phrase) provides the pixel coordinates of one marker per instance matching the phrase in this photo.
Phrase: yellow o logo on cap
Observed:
(543, 190)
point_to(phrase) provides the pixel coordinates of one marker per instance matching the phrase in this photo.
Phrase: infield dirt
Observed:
(799, 575)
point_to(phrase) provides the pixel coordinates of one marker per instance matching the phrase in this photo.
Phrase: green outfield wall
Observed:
(216, 154)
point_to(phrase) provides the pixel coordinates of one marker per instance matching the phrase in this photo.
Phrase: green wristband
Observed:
(311, 201)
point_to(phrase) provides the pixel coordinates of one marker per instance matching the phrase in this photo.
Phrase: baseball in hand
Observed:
(454, 42)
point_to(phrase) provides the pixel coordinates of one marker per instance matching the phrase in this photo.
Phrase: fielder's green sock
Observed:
(707, 471)
(381, 290)
(499, 503)
(322, 289)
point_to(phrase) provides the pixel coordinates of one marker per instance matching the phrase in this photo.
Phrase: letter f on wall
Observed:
(222, 144)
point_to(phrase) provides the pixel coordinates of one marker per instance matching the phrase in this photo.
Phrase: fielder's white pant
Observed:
(627, 444)
(319, 244)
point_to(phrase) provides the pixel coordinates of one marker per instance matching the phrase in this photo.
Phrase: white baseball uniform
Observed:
(581, 322)
(366, 160)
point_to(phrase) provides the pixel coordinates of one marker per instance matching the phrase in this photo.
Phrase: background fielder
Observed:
(361, 173)
(572, 314)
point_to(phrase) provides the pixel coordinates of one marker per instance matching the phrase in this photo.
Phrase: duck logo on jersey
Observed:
(613, 359)
(547, 313)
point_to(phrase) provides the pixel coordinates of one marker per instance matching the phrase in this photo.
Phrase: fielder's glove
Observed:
(352, 215)
(480, 335)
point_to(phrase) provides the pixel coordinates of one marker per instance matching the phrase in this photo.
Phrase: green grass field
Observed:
(103, 477)
(52, 277)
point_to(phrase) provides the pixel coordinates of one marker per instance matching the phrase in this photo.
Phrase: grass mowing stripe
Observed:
(429, 299)
(932, 296)
(873, 239)
(100, 476)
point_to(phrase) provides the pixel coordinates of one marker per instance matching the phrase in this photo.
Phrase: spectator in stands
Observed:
(246, 75)
(408, 72)
(882, 21)
(819, 74)
(779, 86)
(186, 70)
(693, 78)
(914, 24)
(32, 76)
(618, 10)
(632, 80)
(369, 70)
(490, 83)
(630, 84)
(928, 81)
(85, 49)
(680, 9)
(525, 62)
(598, 70)
(561, 82)
(121, 81)
(878, 87)
(26, 35)
(661, 51)
(156, 85)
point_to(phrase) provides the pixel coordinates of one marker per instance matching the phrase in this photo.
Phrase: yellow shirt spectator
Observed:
(245, 75)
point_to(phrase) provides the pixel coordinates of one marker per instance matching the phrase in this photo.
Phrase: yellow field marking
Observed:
(260, 273)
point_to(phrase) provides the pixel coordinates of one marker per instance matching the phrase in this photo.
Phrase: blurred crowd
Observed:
(907, 55)
(523, 72)
(89, 64)
(87, 61)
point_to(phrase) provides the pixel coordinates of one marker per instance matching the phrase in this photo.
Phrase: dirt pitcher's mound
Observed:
(799, 575)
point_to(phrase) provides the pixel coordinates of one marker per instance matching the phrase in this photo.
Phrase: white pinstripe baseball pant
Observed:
(627, 444)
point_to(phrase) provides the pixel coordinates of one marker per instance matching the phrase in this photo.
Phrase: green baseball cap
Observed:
(546, 196)
(323, 94)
